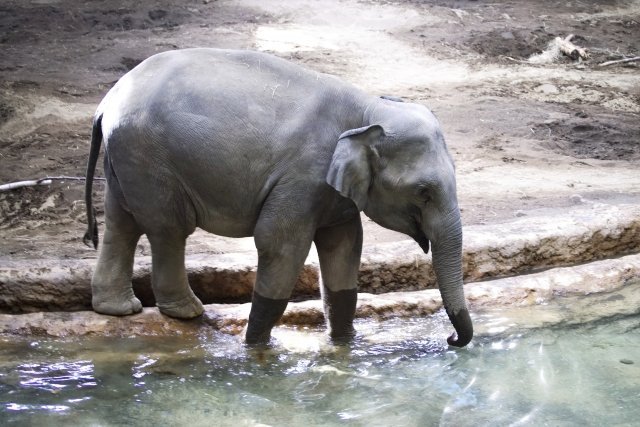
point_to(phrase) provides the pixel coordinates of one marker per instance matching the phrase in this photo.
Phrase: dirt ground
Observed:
(524, 136)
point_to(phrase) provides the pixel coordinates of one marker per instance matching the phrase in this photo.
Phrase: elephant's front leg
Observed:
(283, 246)
(339, 250)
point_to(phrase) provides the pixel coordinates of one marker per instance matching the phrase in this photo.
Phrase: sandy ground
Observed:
(524, 136)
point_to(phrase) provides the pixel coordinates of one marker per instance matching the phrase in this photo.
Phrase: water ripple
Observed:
(54, 377)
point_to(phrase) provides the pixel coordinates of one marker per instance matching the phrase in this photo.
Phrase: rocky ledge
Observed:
(599, 278)
(52, 292)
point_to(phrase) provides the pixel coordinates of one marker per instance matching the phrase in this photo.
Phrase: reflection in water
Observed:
(397, 373)
(56, 376)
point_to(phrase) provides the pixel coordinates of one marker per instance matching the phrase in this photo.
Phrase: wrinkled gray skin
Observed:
(245, 144)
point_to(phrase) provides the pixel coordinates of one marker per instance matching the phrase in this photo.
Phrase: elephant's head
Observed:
(399, 172)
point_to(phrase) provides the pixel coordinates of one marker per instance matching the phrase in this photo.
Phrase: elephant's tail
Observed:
(91, 236)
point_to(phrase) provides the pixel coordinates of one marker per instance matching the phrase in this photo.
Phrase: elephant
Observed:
(243, 143)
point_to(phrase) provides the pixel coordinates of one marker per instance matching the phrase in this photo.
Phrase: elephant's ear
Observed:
(350, 169)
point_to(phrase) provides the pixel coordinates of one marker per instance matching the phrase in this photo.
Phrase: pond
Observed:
(521, 369)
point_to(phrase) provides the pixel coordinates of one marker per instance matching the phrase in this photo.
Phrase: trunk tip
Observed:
(464, 328)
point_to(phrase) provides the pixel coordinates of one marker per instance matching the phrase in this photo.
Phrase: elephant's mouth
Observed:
(418, 235)
(422, 240)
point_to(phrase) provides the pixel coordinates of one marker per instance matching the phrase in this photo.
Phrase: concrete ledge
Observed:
(524, 291)
(535, 242)
(538, 241)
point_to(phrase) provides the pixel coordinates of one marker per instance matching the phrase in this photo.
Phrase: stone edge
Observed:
(527, 244)
(522, 291)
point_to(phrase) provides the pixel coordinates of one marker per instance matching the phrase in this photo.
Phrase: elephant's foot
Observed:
(342, 336)
(340, 309)
(265, 312)
(117, 306)
(186, 308)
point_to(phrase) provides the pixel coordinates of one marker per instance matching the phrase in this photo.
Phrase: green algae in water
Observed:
(397, 373)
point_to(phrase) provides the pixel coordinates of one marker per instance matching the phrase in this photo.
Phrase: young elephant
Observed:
(245, 144)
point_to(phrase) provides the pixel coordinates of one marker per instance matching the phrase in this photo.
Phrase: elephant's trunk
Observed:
(447, 263)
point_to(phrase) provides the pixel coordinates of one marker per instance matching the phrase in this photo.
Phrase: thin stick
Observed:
(620, 61)
(42, 181)
(20, 184)
(71, 178)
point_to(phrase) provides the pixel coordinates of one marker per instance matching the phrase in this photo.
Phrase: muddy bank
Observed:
(523, 135)
(536, 241)
(559, 136)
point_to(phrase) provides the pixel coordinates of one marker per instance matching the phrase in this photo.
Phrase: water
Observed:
(517, 372)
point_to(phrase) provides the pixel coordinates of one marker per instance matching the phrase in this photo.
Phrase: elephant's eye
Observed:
(424, 194)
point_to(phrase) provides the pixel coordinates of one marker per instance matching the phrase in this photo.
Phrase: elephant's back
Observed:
(229, 104)
(211, 82)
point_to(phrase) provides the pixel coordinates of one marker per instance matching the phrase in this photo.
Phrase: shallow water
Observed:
(397, 373)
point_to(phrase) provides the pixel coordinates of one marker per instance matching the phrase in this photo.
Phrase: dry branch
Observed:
(20, 184)
(556, 48)
(571, 50)
(620, 61)
(42, 181)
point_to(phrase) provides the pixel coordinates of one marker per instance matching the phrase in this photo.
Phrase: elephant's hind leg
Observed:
(111, 283)
(171, 289)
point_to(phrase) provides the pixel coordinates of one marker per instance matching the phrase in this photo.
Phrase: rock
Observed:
(547, 88)
(534, 290)
(584, 233)
(40, 285)
(157, 14)
(581, 235)
(576, 199)
(626, 361)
